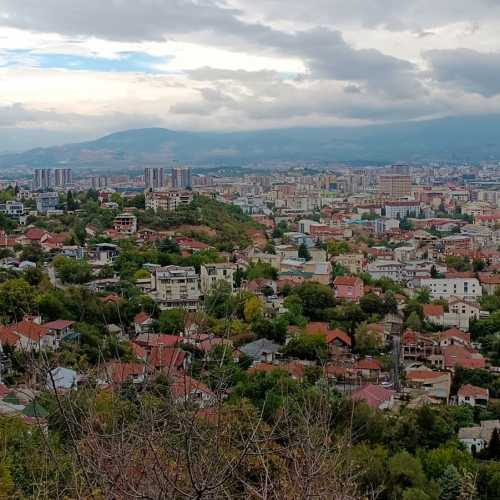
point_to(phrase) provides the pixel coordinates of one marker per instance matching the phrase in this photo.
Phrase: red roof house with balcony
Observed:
(348, 288)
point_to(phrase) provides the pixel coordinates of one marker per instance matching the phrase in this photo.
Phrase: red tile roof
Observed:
(167, 358)
(473, 391)
(416, 375)
(433, 309)
(489, 279)
(263, 367)
(35, 234)
(346, 281)
(373, 395)
(317, 327)
(58, 324)
(455, 332)
(138, 351)
(31, 330)
(368, 364)
(8, 337)
(121, 372)
(209, 344)
(141, 318)
(456, 355)
(183, 386)
(295, 369)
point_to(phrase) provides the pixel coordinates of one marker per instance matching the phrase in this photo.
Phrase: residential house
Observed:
(61, 378)
(435, 384)
(383, 268)
(212, 274)
(104, 254)
(168, 201)
(368, 368)
(143, 323)
(460, 313)
(353, 262)
(349, 288)
(125, 223)
(418, 346)
(477, 438)
(336, 339)
(168, 359)
(321, 271)
(375, 396)
(261, 350)
(457, 355)
(117, 373)
(185, 389)
(27, 336)
(490, 282)
(453, 336)
(60, 329)
(473, 396)
(445, 288)
(176, 287)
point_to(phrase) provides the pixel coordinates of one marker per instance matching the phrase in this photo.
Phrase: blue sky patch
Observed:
(135, 62)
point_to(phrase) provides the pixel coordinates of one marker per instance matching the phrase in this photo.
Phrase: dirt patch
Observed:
(205, 230)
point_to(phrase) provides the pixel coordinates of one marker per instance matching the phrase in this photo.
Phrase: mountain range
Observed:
(470, 138)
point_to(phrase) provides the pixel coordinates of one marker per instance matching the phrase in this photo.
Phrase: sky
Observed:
(78, 69)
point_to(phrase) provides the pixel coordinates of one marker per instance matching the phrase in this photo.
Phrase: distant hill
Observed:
(470, 138)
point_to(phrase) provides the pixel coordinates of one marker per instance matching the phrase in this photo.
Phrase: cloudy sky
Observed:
(76, 69)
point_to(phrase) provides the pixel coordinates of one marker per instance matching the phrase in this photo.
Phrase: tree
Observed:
(415, 494)
(493, 449)
(460, 264)
(72, 271)
(435, 461)
(367, 341)
(339, 270)
(17, 298)
(303, 252)
(253, 309)
(390, 302)
(335, 248)
(405, 224)
(169, 245)
(259, 269)
(32, 252)
(71, 203)
(478, 265)
(370, 463)
(414, 322)
(219, 301)
(275, 330)
(405, 471)
(6, 223)
(450, 484)
(315, 298)
(311, 347)
(172, 321)
(371, 304)
(423, 296)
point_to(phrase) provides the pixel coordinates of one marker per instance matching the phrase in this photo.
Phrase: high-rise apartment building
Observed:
(62, 177)
(154, 178)
(100, 181)
(394, 185)
(182, 177)
(42, 179)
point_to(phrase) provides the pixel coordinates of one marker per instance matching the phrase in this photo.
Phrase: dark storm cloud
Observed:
(322, 49)
(469, 70)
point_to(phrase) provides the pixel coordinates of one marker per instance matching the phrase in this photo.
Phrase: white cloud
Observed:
(247, 64)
